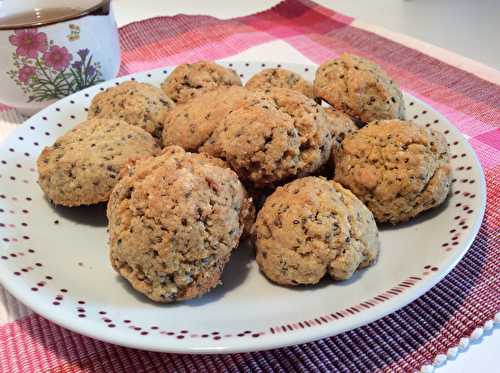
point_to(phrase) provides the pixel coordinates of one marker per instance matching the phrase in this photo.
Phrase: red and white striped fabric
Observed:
(406, 340)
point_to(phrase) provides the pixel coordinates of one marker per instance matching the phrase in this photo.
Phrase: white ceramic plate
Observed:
(55, 260)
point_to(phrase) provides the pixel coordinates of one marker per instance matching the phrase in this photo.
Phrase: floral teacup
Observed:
(44, 61)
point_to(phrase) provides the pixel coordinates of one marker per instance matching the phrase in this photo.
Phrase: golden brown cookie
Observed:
(397, 168)
(278, 138)
(138, 104)
(83, 165)
(360, 88)
(280, 78)
(173, 223)
(311, 227)
(190, 125)
(190, 80)
(340, 125)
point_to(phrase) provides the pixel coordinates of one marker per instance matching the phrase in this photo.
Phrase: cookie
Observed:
(311, 227)
(280, 78)
(274, 140)
(190, 125)
(340, 125)
(83, 165)
(138, 104)
(397, 168)
(173, 223)
(187, 81)
(360, 88)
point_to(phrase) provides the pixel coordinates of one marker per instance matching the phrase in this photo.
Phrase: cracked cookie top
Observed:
(173, 222)
(190, 125)
(83, 165)
(283, 136)
(187, 81)
(311, 227)
(397, 168)
(360, 88)
(138, 104)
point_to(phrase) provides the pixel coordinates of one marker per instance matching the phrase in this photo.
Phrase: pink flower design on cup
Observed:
(25, 73)
(57, 57)
(44, 70)
(29, 42)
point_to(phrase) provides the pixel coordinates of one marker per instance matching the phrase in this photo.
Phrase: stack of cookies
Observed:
(304, 170)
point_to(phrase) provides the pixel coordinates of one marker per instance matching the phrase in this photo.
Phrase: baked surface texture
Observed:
(280, 78)
(138, 104)
(187, 81)
(360, 88)
(173, 223)
(83, 165)
(311, 227)
(397, 168)
(190, 125)
(284, 135)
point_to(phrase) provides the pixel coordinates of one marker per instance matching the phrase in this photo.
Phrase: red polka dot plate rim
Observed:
(55, 260)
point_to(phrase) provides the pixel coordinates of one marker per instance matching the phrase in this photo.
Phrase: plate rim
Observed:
(294, 337)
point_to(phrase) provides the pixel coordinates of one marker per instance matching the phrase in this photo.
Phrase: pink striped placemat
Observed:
(404, 341)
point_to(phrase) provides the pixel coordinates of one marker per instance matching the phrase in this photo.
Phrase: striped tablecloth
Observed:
(415, 337)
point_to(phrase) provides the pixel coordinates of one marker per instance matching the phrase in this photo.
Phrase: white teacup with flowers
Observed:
(49, 49)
